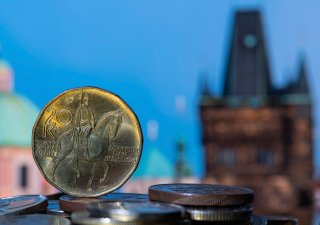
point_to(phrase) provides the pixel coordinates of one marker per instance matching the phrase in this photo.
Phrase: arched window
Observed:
(23, 175)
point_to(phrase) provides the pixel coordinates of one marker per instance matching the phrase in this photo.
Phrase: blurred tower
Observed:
(182, 169)
(255, 134)
(18, 172)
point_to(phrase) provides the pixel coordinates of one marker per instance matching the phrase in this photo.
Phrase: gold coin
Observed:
(87, 142)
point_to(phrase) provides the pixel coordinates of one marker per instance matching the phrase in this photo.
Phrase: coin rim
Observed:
(68, 205)
(174, 212)
(35, 207)
(64, 220)
(220, 214)
(86, 194)
(198, 199)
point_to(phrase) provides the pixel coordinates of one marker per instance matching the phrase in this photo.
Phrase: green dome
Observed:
(154, 165)
(17, 116)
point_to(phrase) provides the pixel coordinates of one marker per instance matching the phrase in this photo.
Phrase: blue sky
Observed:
(150, 52)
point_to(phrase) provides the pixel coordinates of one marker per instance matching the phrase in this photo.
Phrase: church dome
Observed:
(17, 113)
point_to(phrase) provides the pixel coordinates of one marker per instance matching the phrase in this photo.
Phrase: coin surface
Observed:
(87, 142)
(71, 203)
(53, 208)
(258, 220)
(136, 211)
(22, 204)
(201, 194)
(220, 214)
(34, 219)
(281, 220)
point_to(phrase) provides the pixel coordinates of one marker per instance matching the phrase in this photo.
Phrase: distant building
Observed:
(255, 134)
(18, 171)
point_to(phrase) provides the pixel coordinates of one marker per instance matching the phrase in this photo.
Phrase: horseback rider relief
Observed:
(78, 159)
(84, 125)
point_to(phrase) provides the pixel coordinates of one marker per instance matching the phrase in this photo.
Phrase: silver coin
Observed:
(220, 214)
(22, 204)
(258, 220)
(54, 209)
(84, 218)
(34, 219)
(136, 211)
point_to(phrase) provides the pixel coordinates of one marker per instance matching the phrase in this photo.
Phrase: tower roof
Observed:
(247, 72)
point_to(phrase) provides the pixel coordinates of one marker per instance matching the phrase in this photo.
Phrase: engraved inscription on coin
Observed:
(201, 194)
(22, 204)
(87, 142)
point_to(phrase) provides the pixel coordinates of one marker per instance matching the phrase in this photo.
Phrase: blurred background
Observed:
(225, 91)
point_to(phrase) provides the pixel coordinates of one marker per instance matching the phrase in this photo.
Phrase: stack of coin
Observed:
(208, 203)
(87, 142)
(130, 213)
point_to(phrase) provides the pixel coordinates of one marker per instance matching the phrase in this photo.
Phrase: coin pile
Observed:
(87, 142)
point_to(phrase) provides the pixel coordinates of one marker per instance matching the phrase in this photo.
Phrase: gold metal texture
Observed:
(87, 142)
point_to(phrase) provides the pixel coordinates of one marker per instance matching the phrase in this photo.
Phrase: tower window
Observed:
(265, 157)
(227, 157)
(23, 182)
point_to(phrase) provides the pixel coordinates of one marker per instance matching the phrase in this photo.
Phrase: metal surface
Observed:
(220, 214)
(35, 219)
(54, 209)
(71, 203)
(201, 194)
(136, 211)
(258, 220)
(22, 204)
(281, 220)
(83, 218)
(87, 142)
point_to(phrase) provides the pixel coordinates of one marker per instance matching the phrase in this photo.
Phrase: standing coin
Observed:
(87, 142)
(201, 194)
(71, 204)
(22, 204)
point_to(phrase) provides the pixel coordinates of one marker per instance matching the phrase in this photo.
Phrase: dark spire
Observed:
(204, 84)
(302, 86)
(247, 72)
